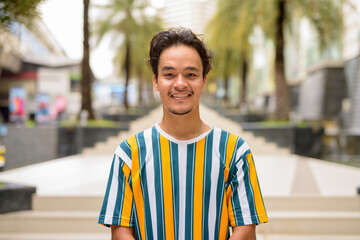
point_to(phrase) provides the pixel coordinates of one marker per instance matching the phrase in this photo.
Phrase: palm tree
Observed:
(229, 32)
(20, 11)
(120, 19)
(86, 103)
(141, 46)
(276, 15)
(238, 18)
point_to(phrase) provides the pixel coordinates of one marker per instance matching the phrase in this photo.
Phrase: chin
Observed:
(180, 111)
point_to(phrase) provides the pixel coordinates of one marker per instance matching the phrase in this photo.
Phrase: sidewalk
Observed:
(279, 175)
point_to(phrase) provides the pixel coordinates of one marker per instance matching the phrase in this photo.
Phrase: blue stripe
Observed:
(126, 148)
(142, 155)
(174, 151)
(248, 188)
(119, 195)
(220, 185)
(106, 197)
(207, 184)
(158, 184)
(190, 161)
(135, 217)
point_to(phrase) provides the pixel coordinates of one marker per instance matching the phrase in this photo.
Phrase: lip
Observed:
(180, 95)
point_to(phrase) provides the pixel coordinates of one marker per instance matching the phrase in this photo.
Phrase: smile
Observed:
(180, 95)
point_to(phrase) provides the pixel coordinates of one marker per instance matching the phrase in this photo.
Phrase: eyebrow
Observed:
(167, 68)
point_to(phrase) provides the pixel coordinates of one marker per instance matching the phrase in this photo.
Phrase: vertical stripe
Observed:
(198, 188)
(223, 219)
(150, 179)
(167, 188)
(190, 160)
(215, 178)
(207, 185)
(229, 153)
(175, 181)
(112, 197)
(128, 199)
(143, 166)
(260, 208)
(221, 182)
(158, 184)
(182, 190)
(139, 201)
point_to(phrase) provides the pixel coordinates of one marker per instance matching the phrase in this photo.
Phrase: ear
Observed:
(204, 82)
(155, 83)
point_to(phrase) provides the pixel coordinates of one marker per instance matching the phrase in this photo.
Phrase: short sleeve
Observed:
(118, 201)
(245, 202)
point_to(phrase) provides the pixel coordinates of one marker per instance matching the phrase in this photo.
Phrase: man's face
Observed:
(180, 80)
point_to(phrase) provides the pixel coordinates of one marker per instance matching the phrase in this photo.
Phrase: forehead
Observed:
(180, 55)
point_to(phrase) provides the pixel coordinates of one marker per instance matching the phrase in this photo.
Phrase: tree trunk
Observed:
(244, 79)
(141, 89)
(85, 67)
(282, 91)
(226, 88)
(127, 74)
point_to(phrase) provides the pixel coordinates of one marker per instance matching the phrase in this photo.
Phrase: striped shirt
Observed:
(170, 189)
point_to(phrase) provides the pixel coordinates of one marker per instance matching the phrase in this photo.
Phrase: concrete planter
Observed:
(15, 197)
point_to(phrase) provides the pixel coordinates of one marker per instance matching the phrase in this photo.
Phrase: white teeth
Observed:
(180, 95)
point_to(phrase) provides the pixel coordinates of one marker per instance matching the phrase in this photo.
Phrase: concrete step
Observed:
(55, 236)
(312, 223)
(291, 223)
(51, 222)
(312, 203)
(273, 204)
(67, 203)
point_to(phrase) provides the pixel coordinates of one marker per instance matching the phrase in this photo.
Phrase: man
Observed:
(182, 179)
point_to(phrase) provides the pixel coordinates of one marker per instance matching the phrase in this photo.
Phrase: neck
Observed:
(183, 127)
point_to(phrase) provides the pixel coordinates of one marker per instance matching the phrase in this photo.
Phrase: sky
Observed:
(64, 19)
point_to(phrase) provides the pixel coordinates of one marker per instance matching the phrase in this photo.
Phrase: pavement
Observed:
(280, 175)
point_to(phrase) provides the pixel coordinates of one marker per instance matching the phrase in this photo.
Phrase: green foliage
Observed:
(127, 20)
(16, 10)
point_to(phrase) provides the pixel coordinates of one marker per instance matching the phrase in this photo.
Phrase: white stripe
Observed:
(214, 181)
(242, 149)
(120, 152)
(182, 189)
(244, 203)
(112, 193)
(150, 179)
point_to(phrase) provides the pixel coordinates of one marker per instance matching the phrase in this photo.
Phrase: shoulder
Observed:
(132, 143)
(228, 138)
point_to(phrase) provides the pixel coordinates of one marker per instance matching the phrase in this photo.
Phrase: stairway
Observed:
(309, 217)
(258, 145)
(290, 218)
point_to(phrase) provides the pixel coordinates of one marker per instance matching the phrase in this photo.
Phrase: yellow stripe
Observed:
(230, 208)
(229, 153)
(198, 188)
(139, 202)
(223, 220)
(167, 188)
(259, 205)
(128, 199)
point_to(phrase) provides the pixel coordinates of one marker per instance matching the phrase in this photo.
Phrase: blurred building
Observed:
(31, 59)
(193, 14)
(351, 50)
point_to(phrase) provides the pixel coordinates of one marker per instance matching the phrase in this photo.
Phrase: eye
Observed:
(191, 75)
(168, 75)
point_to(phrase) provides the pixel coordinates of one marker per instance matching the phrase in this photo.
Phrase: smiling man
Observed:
(182, 178)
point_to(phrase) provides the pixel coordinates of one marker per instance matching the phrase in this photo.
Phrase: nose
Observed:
(180, 81)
